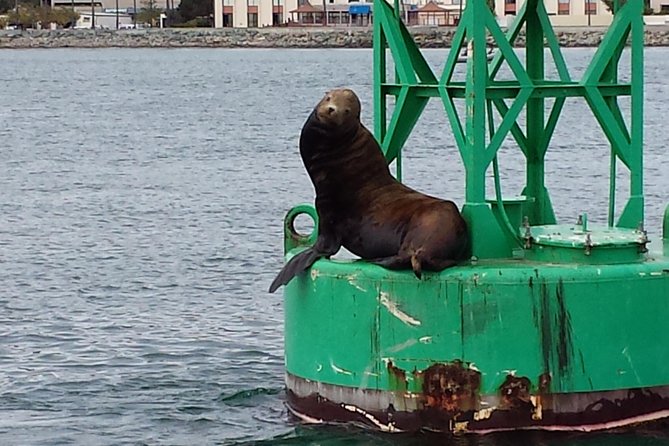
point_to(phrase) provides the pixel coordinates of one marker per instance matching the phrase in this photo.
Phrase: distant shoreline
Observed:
(426, 37)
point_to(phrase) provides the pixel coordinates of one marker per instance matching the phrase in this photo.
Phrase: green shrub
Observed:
(199, 22)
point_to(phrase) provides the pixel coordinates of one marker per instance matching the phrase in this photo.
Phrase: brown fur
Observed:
(362, 207)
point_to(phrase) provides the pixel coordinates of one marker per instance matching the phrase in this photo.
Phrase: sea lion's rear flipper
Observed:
(294, 266)
(416, 262)
(441, 264)
(395, 262)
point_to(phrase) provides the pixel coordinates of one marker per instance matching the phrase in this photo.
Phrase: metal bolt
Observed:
(583, 222)
(528, 233)
(588, 244)
(644, 238)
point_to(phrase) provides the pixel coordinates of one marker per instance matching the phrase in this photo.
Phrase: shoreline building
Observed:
(103, 13)
(263, 13)
(252, 13)
(104, 20)
(560, 12)
(661, 6)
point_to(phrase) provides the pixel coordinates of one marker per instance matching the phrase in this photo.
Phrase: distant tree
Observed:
(6, 5)
(173, 16)
(609, 4)
(646, 5)
(200, 22)
(150, 13)
(3, 23)
(193, 9)
(26, 17)
(29, 16)
(63, 16)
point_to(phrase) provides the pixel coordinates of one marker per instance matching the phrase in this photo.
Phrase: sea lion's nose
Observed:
(331, 109)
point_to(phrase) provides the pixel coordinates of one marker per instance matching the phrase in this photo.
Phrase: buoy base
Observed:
(313, 402)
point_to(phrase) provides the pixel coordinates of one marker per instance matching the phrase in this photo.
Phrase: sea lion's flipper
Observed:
(441, 264)
(395, 262)
(295, 265)
(325, 246)
(415, 262)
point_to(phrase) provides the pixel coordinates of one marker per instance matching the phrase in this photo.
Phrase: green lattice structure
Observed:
(416, 84)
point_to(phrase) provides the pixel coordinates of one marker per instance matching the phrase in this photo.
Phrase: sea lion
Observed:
(362, 207)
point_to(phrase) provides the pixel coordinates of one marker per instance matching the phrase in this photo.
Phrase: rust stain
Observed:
(565, 346)
(543, 397)
(555, 330)
(515, 394)
(451, 387)
(375, 346)
(398, 378)
(545, 322)
(544, 383)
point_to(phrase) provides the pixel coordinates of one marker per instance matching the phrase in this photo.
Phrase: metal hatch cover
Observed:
(578, 243)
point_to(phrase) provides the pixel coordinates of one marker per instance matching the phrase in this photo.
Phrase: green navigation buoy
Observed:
(549, 326)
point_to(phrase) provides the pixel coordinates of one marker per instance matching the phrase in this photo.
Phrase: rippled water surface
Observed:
(141, 203)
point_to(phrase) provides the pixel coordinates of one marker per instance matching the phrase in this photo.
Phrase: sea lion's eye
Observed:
(328, 98)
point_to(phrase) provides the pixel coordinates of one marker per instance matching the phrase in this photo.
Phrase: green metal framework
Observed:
(495, 224)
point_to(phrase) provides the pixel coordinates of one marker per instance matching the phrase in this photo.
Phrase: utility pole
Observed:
(117, 14)
(134, 14)
(170, 8)
(325, 13)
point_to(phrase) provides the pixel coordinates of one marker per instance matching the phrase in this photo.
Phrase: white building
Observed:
(259, 13)
(561, 12)
(660, 6)
(252, 13)
(103, 20)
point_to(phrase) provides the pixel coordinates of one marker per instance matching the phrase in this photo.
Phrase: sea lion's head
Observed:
(339, 108)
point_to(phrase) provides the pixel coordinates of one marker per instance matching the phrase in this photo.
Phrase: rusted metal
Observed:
(544, 383)
(398, 378)
(512, 408)
(515, 394)
(451, 387)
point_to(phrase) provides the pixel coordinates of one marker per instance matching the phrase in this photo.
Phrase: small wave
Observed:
(243, 395)
(194, 410)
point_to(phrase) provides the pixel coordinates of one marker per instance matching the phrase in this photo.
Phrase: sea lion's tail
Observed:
(296, 265)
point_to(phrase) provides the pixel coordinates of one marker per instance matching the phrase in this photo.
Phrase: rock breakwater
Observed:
(272, 38)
